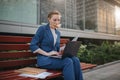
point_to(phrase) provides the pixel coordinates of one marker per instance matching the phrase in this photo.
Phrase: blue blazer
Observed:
(44, 40)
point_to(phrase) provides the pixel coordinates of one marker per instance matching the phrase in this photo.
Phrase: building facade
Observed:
(87, 18)
(96, 15)
(87, 14)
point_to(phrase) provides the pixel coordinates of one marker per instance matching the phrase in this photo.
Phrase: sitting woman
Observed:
(46, 43)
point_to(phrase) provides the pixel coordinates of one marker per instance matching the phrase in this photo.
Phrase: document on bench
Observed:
(42, 75)
(33, 72)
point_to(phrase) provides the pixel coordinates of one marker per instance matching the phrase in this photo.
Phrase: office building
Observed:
(92, 19)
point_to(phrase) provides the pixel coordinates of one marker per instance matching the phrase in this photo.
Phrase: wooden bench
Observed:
(15, 54)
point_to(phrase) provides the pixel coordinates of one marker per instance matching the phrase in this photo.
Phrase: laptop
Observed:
(71, 49)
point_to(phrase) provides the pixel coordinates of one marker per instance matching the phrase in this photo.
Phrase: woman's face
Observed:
(55, 21)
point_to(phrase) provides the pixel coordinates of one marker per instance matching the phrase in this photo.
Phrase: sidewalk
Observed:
(110, 71)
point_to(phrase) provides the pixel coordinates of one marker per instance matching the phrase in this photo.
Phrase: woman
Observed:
(46, 43)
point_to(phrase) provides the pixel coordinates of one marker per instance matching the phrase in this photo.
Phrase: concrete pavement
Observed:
(109, 71)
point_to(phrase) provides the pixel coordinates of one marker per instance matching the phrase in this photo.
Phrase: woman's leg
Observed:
(68, 70)
(65, 64)
(77, 69)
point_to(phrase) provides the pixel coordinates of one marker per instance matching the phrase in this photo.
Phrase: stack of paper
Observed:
(42, 75)
(30, 70)
(33, 72)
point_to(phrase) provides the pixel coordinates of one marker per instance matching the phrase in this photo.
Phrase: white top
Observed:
(54, 35)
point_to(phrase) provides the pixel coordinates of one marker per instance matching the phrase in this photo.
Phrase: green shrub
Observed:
(104, 53)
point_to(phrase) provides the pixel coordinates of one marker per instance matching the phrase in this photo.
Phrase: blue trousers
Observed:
(70, 67)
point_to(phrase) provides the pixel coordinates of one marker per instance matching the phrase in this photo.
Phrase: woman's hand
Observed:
(53, 53)
(61, 52)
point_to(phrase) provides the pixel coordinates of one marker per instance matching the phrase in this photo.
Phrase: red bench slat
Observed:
(16, 77)
(15, 39)
(55, 74)
(85, 66)
(4, 55)
(5, 72)
(14, 47)
(9, 74)
(22, 39)
(12, 63)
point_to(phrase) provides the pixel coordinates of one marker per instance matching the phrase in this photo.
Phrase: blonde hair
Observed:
(55, 12)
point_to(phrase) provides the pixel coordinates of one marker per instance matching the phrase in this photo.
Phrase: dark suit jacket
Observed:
(44, 39)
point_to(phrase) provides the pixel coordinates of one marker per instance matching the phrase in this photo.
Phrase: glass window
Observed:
(23, 11)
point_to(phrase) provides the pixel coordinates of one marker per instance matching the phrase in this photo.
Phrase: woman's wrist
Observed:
(46, 54)
(40, 51)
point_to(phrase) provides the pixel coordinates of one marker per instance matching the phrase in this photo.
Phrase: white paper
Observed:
(42, 75)
(75, 38)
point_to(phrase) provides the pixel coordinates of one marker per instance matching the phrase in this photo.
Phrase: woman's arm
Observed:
(40, 51)
(37, 38)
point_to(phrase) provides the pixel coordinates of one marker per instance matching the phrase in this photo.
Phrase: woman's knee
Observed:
(68, 61)
(75, 59)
